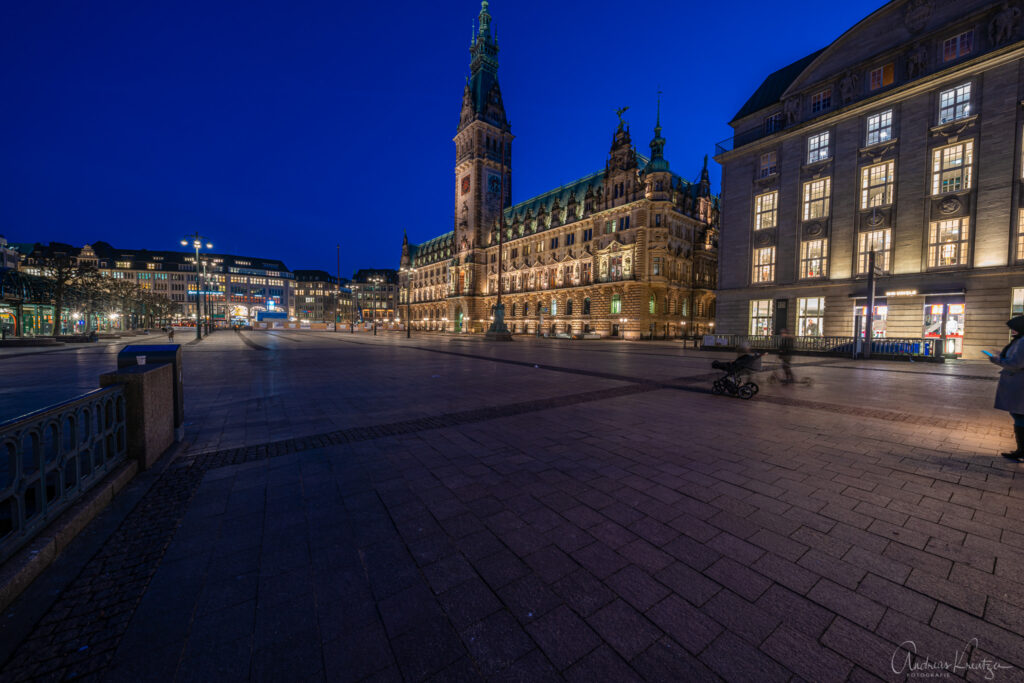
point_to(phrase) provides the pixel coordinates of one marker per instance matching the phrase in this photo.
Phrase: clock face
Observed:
(465, 184)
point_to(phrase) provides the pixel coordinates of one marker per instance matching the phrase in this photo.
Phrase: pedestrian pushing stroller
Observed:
(736, 381)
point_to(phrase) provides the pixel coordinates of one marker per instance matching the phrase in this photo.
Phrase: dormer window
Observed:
(821, 101)
(958, 46)
(882, 76)
(773, 123)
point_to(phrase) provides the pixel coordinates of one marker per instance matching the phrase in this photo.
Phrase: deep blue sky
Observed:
(281, 128)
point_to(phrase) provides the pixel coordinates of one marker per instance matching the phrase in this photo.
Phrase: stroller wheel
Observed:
(745, 392)
(717, 388)
(753, 387)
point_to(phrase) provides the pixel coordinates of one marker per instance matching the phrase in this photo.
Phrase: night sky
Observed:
(279, 129)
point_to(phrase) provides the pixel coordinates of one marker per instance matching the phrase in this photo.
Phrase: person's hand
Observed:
(994, 360)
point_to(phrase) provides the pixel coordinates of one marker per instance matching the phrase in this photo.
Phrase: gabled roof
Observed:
(770, 91)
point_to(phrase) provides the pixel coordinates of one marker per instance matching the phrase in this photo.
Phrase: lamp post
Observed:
(197, 241)
(622, 328)
(444, 325)
(408, 271)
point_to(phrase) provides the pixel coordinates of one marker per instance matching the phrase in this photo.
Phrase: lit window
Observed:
(821, 101)
(1020, 235)
(878, 241)
(769, 164)
(955, 103)
(817, 147)
(957, 46)
(761, 311)
(947, 243)
(766, 210)
(876, 185)
(810, 316)
(616, 303)
(764, 265)
(816, 198)
(951, 168)
(554, 307)
(652, 305)
(879, 128)
(881, 77)
(1017, 302)
(814, 259)
(656, 266)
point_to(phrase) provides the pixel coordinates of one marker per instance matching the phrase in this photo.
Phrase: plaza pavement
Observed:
(357, 508)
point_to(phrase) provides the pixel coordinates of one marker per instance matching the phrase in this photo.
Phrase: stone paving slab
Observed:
(645, 531)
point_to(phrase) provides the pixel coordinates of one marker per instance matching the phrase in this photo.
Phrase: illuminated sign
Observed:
(902, 292)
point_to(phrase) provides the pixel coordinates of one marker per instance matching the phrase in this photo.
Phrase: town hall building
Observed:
(628, 251)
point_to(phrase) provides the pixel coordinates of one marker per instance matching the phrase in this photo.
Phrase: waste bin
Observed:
(159, 354)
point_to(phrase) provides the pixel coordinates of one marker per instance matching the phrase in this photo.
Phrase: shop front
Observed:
(938, 320)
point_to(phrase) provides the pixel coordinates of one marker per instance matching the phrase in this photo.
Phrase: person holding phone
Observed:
(1010, 392)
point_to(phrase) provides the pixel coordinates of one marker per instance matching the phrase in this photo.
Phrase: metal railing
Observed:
(50, 457)
(838, 346)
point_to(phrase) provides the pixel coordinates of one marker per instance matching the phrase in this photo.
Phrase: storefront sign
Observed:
(901, 292)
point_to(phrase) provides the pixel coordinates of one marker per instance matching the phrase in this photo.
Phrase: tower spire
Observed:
(658, 162)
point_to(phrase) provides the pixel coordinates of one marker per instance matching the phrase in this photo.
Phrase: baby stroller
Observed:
(736, 381)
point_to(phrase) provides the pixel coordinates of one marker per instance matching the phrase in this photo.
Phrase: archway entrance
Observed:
(458, 321)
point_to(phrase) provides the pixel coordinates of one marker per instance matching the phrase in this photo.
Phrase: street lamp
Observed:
(197, 241)
(408, 298)
(622, 328)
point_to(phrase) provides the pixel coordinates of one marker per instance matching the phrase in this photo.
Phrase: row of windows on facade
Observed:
(614, 307)
(948, 242)
(953, 48)
(610, 226)
(952, 171)
(811, 314)
(954, 104)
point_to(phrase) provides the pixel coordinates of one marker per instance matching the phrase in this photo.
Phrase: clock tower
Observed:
(483, 151)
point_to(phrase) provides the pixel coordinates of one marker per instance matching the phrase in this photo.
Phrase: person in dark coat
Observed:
(1010, 392)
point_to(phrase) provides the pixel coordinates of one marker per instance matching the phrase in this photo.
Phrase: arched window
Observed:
(616, 306)
(568, 307)
(526, 309)
(513, 310)
(586, 306)
(554, 307)
(651, 305)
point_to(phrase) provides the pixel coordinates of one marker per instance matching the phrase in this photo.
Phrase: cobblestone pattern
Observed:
(78, 636)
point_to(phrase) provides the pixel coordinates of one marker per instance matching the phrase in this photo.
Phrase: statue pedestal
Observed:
(498, 335)
(498, 331)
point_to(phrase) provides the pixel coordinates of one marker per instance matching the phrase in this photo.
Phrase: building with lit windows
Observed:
(630, 250)
(320, 298)
(375, 295)
(235, 288)
(902, 138)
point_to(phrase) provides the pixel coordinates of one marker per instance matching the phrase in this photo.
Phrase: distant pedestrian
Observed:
(1010, 392)
(170, 334)
(786, 356)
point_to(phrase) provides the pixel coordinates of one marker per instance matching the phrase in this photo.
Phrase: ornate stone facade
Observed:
(628, 251)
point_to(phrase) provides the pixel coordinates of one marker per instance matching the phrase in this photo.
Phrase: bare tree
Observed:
(61, 270)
